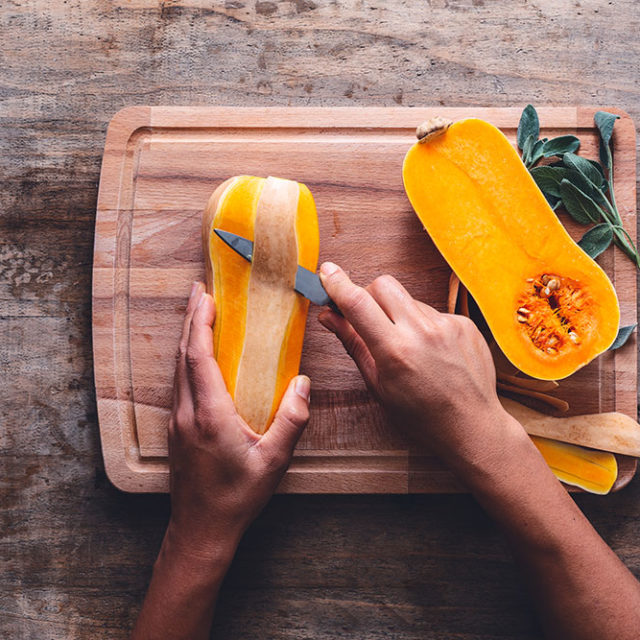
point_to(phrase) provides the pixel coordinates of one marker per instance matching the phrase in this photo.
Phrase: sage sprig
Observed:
(533, 148)
(582, 187)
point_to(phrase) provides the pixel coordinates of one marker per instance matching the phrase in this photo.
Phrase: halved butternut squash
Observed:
(260, 319)
(550, 307)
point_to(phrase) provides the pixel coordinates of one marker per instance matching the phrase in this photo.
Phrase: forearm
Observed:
(581, 588)
(181, 598)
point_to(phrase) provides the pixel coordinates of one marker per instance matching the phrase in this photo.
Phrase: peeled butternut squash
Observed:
(550, 307)
(260, 319)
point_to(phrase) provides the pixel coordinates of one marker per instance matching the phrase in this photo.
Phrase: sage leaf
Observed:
(624, 333)
(529, 125)
(536, 152)
(603, 153)
(548, 179)
(598, 167)
(578, 204)
(560, 145)
(585, 185)
(605, 121)
(623, 242)
(526, 150)
(554, 202)
(585, 167)
(596, 240)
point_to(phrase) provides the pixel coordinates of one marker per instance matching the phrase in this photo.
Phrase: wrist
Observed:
(212, 556)
(491, 445)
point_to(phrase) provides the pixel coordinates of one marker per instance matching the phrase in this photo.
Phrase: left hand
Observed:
(222, 473)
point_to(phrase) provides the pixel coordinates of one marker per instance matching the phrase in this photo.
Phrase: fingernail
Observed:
(194, 288)
(327, 268)
(303, 387)
(203, 295)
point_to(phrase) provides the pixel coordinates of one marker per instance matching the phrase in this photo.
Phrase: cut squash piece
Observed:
(611, 431)
(593, 471)
(260, 319)
(550, 307)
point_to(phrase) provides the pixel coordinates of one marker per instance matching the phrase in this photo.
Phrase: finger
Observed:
(278, 442)
(354, 345)
(180, 385)
(357, 306)
(205, 378)
(393, 298)
(428, 311)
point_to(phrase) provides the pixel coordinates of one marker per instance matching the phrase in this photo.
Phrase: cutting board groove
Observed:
(161, 164)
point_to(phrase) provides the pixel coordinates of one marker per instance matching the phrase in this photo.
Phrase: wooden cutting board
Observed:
(160, 166)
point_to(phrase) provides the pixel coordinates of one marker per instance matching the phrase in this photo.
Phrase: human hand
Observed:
(432, 372)
(222, 473)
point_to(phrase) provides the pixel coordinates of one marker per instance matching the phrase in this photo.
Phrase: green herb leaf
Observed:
(529, 125)
(605, 121)
(578, 204)
(585, 185)
(585, 167)
(624, 333)
(526, 150)
(536, 152)
(598, 167)
(623, 242)
(560, 145)
(548, 179)
(603, 153)
(596, 240)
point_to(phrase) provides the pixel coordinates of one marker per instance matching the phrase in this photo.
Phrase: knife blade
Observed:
(307, 283)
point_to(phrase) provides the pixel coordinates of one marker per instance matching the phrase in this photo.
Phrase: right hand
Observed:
(433, 372)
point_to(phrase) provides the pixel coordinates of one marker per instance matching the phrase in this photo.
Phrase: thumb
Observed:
(290, 419)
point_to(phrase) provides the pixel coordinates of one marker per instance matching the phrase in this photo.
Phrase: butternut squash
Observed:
(260, 319)
(550, 307)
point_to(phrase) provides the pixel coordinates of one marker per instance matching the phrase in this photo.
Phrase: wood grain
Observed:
(76, 554)
(161, 165)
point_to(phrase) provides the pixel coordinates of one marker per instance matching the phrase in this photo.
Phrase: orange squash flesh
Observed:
(260, 319)
(593, 471)
(550, 307)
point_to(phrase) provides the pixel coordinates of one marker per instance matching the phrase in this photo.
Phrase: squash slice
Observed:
(593, 471)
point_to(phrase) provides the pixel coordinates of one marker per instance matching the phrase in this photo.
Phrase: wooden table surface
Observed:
(76, 554)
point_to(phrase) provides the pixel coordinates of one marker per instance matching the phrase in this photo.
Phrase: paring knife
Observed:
(307, 283)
